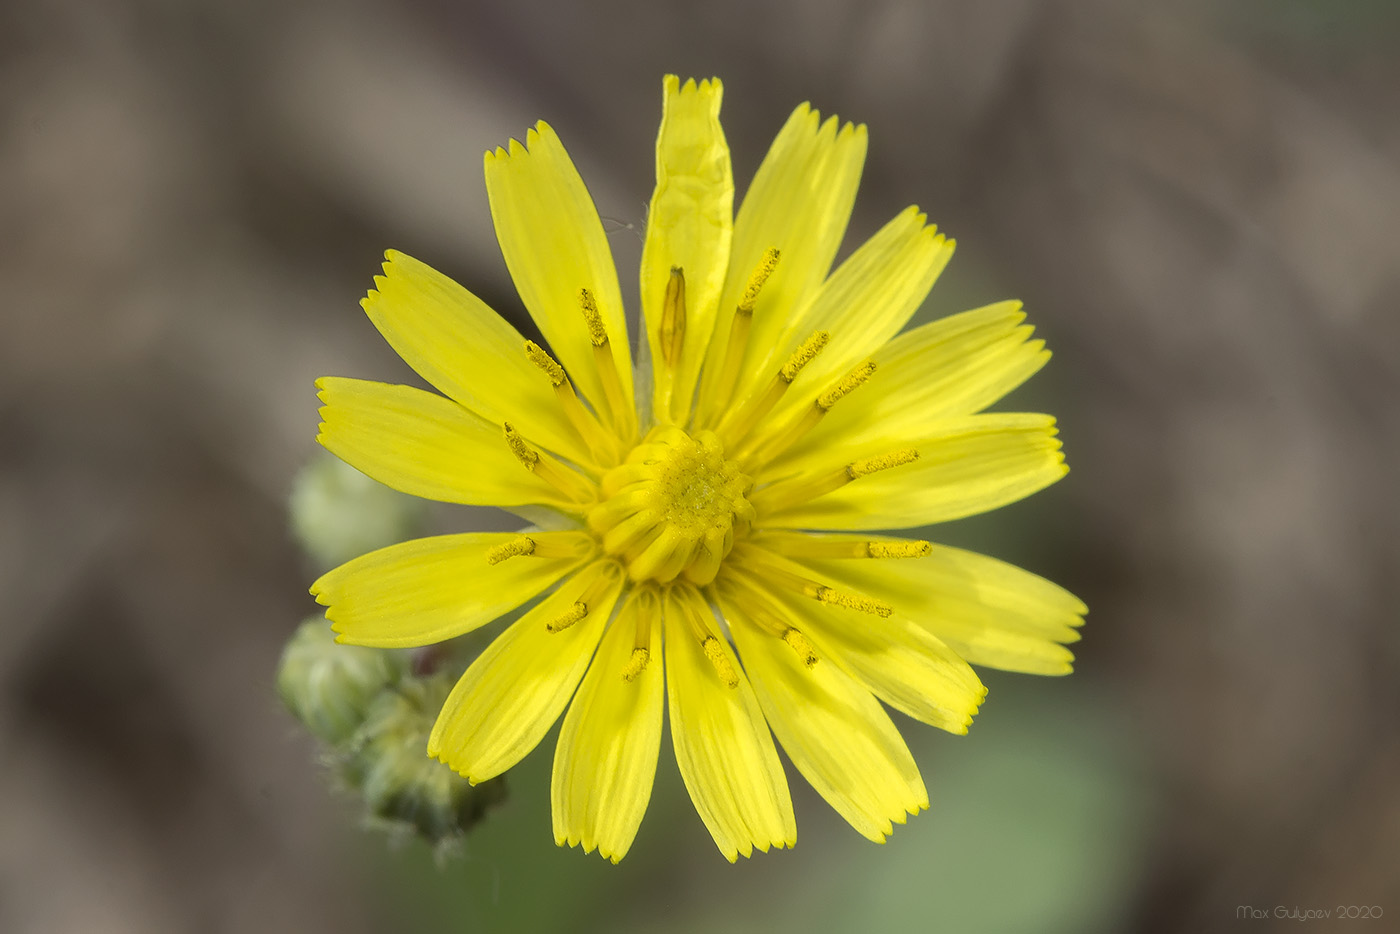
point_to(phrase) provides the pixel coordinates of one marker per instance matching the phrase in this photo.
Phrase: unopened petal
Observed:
(689, 226)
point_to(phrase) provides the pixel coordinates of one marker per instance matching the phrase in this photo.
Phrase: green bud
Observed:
(339, 513)
(331, 687)
(403, 788)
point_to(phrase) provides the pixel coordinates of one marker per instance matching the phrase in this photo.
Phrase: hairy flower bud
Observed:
(338, 512)
(402, 787)
(330, 687)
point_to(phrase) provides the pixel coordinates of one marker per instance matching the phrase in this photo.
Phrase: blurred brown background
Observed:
(1199, 203)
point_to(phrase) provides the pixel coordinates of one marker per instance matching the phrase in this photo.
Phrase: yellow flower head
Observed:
(700, 516)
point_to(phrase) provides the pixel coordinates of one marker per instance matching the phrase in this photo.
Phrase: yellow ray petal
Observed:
(689, 227)
(989, 612)
(831, 727)
(867, 300)
(430, 589)
(948, 368)
(723, 747)
(900, 662)
(799, 203)
(457, 343)
(421, 443)
(970, 465)
(554, 245)
(605, 763)
(515, 690)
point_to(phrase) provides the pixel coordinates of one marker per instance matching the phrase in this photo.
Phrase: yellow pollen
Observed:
(870, 465)
(788, 493)
(852, 601)
(760, 275)
(636, 664)
(672, 334)
(715, 653)
(545, 362)
(799, 644)
(523, 545)
(673, 507)
(566, 480)
(566, 619)
(597, 332)
(600, 444)
(848, 383)
(522, 451)
(803, 355)
(769, 448)
(899, 549)
(809, 545)
(736, 345)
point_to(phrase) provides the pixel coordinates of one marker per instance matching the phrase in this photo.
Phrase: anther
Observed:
(848, 383)
(522, 545)
(636, 664)
(789, 493)
(619, 406)
(597, 442)
(799, 644)
(760, 275)
(742, 421)
(672, 335)
(869, 465)
(899, 549)
(715, 653)
(597, 331)
(739, 324)
(566, 619)
(545, 362)
(796, 429)
(803, 355)
(522, 451)
(564, 479)
(808, 545)
(832, 597)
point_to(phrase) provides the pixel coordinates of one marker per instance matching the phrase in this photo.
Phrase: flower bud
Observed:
(338, 513)
(403, 788)
(330, 687)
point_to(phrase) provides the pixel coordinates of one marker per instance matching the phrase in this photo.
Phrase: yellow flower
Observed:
(671, 497)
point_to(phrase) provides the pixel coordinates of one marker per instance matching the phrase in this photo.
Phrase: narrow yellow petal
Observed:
(470, 353)
(989, 612)
(948, 368)
(799, 203)
(515, 690)
(899, 661)
(723, 747)
(605, 762)
(430, 589)
(867, 300)
(424, 444)
(970, 465)
(831, 727)
(554, 245)
(689, 227)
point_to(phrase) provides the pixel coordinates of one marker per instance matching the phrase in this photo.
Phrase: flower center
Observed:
(672, 507)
